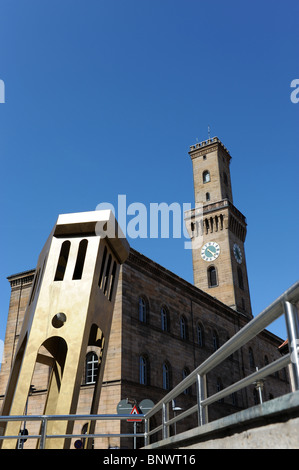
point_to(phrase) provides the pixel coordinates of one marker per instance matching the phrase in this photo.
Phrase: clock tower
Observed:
(217, 229)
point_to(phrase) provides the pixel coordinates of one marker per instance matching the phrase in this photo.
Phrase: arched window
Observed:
(166, 376)
(206, 224)
(251, 358)
(80, 259)
(91, 368)
(142, 310)
(143, 370)
(240, 278)
(215, 340)
(221, 221)
(62, 261)
(164, 319)
(212, 277)
(206, 177)
(183, 328)
(200, 335)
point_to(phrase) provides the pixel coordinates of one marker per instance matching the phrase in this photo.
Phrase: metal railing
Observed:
(44, 420)
(285, 304)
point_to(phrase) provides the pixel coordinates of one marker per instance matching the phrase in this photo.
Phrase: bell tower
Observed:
(217, 228)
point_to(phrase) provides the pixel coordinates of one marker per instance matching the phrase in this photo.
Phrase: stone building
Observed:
(163, 327)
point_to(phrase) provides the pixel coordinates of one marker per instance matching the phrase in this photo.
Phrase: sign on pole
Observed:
(134, 411)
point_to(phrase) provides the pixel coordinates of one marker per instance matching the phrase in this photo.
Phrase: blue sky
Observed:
(105, 97)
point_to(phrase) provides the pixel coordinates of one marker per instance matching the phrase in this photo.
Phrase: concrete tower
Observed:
(70, 308)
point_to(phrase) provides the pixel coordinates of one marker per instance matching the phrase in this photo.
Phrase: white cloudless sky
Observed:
(104, 98)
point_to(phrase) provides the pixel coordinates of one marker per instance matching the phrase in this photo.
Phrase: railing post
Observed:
(146, 431)
(165, 418)
(201, 395)
(43, 433)
(292, 324)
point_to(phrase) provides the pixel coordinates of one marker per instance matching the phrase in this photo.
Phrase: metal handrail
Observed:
(43, 436)
(282, 305)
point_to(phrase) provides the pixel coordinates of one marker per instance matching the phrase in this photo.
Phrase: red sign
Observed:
(134, 411)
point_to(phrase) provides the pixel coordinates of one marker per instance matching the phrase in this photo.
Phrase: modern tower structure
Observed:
(70, 308)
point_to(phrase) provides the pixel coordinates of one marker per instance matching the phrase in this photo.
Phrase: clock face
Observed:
(238, 253)
(210, 251)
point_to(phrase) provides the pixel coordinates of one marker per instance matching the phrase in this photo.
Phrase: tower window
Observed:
(62, 262)
(212, 277)
(225, 178)
(80, 259)
(206, 177)
(207, 196)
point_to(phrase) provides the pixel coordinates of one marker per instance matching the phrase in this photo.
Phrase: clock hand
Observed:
(211, 251)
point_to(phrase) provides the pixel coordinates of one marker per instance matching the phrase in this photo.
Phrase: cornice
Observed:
(25, 277)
